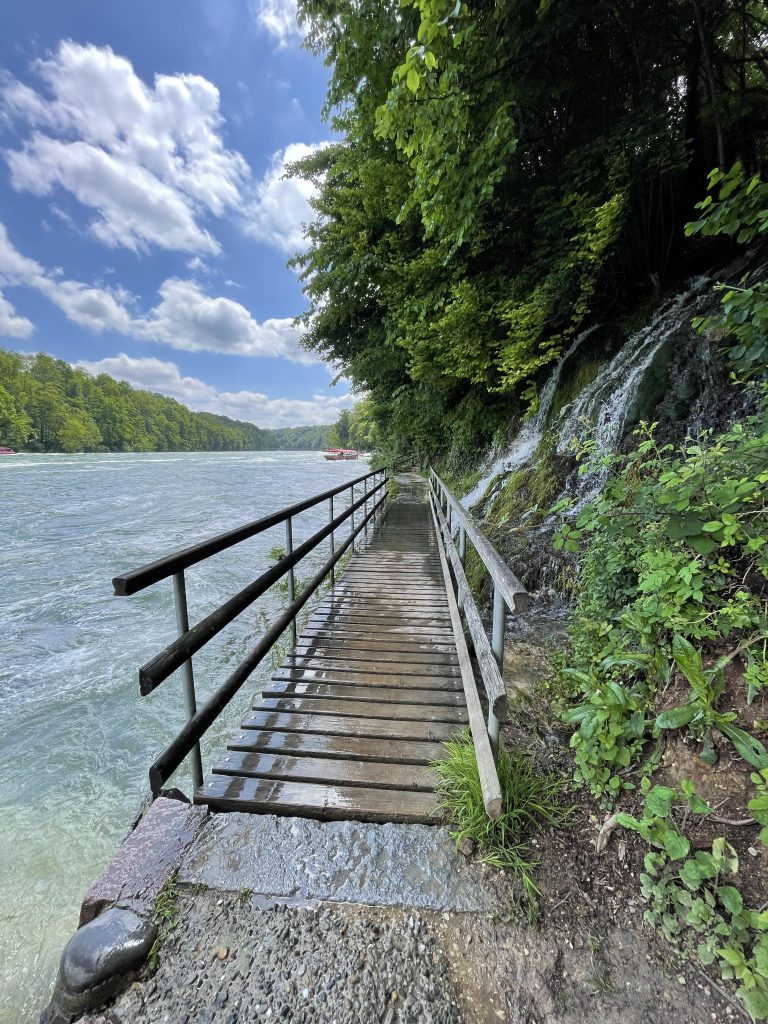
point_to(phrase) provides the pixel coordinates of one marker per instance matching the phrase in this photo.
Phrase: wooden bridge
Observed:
(378, 678)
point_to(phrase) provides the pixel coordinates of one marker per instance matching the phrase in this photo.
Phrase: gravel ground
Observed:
(228, 961)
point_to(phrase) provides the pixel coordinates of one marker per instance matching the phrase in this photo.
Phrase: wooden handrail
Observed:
(484, 754)
(508, 593)
(494, 684)
(145, 576)
(510, 587)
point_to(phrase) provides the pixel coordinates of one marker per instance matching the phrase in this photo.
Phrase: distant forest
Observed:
(48, 406)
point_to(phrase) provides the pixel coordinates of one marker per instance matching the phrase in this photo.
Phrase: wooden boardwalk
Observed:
(349, 724)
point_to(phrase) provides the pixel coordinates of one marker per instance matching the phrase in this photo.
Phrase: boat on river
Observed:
(6, 451)
(341, 454)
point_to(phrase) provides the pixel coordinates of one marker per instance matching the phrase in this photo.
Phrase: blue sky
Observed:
(144, 222)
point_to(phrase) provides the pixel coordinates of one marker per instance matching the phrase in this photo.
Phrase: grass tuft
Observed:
(529, 801)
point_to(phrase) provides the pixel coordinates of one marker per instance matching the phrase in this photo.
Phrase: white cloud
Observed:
(278, 17)
(251, 406)
(11, 324)
(281, 206)
(150, 160)
(185, 317)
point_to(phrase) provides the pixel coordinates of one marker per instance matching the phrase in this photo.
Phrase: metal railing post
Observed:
(365, 510)
(291, 577)
(497, 646)
(187, 675)
(332, 539)
(352, 502)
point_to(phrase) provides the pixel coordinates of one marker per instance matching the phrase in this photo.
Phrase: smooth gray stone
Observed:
(112, 944)
(98, 961)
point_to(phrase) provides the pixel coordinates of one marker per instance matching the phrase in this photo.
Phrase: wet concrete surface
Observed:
(342, 861)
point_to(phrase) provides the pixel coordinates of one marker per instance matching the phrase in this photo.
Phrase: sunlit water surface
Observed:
(76, 739)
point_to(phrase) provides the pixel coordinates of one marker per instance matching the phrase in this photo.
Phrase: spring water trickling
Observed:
(602, 408)
(532, 431)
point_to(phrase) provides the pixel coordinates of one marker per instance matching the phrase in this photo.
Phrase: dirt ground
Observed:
(591, 958)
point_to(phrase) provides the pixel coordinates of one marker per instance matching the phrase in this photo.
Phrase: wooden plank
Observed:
(378, 774)
(314, 801)
(353, 691)
(392, 613)
(396, 634)
(486, 765)
(380, 656)
(450, 684)
(364, 670)
(367, 642)
(278, 721)
(362, 709)
(355, 748)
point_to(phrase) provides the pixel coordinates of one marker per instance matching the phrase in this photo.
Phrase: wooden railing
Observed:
(454, 530)
(190, 640)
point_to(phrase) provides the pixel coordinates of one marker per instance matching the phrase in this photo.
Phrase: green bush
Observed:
(675, 563)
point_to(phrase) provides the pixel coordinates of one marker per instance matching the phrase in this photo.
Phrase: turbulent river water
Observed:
(76, 739)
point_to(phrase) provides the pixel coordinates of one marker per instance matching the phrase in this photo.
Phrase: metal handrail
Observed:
(508, 594)
(189, 737)
(145, 576)
(190, 641)
(178, 655)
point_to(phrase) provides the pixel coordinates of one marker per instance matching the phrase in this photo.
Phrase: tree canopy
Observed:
(506, 172)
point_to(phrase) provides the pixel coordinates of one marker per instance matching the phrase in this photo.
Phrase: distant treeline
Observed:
(48, 406)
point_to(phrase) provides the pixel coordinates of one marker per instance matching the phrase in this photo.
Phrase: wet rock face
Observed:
(98, 961)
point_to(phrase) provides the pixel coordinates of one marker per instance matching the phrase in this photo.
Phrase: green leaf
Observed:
(675, 718)
(755, 1002)
(702, 545)
(731, 899)
(412, 79)
(659, 801)
(746, 746)
(677, 846)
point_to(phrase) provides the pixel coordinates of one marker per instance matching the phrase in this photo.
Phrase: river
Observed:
(76, 737)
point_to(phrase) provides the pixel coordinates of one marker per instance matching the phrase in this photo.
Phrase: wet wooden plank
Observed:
(278, 721)
(378, 656)
(402, 645)
(354, 691)
(378, 774)
(327, 672)
(315, 801)
(356, 748)
(351, 722)
(362, 709)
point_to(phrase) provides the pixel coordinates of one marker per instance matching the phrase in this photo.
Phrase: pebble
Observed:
(222, 952)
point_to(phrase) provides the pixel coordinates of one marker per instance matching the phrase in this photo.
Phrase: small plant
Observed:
(758, 806)
(529, 800)
(276, 552)
(700, 714)
(688, 901)
(166, 918)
